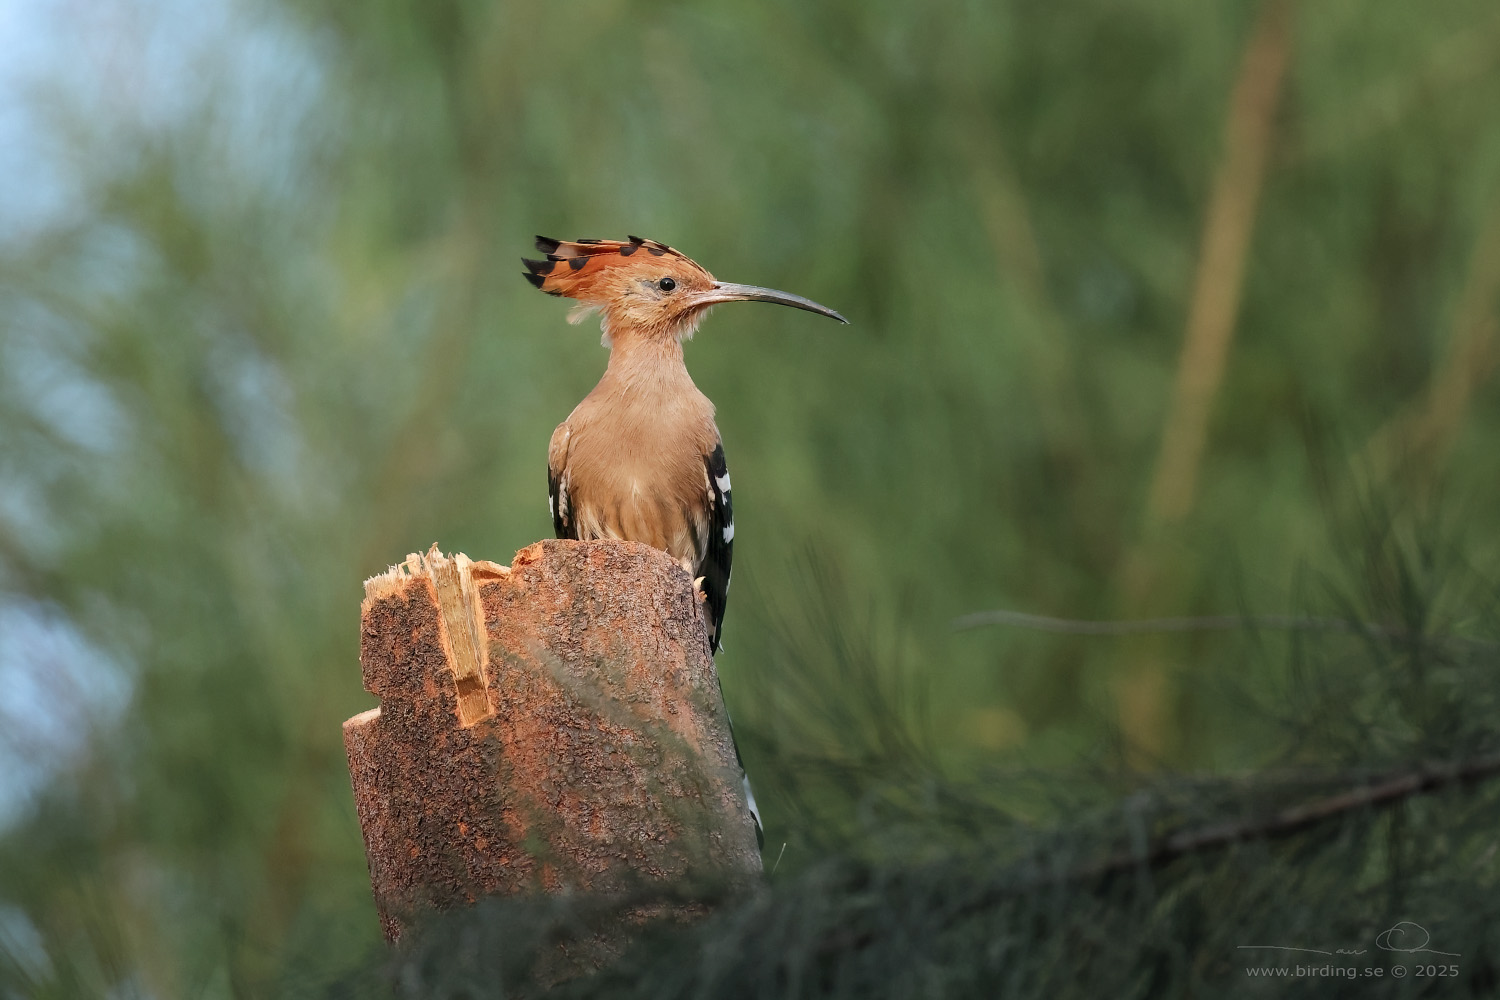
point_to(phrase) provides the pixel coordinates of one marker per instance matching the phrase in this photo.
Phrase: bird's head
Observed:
(642, 286)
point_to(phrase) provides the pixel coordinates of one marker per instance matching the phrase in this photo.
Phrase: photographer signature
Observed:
(1407, 936)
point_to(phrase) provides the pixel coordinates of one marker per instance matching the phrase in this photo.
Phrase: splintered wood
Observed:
(549, 726)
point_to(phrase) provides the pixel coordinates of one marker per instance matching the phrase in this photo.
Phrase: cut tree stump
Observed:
(555, 725)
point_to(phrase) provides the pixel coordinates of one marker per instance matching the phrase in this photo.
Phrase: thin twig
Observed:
(1203, 623)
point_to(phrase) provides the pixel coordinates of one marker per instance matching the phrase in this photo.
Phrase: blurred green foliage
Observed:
(274, 338)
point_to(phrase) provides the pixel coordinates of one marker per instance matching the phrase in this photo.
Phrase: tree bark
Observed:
(554, 725)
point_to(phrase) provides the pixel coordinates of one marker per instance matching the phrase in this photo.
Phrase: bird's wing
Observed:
(557, 483)
(717, 556)
(718, 553)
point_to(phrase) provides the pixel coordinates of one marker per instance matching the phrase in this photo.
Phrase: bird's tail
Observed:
(760, 833)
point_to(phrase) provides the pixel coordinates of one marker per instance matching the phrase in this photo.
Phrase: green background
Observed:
(263, 332)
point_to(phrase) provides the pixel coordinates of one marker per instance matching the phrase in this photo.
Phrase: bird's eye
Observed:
(666, 284)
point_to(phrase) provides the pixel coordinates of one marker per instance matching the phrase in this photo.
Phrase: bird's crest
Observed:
(577, 269)
(643, 288)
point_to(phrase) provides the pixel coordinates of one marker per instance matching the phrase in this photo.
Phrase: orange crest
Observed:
(595, 270)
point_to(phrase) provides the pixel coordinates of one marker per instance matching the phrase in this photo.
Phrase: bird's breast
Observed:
(643, 480)
(639, 509)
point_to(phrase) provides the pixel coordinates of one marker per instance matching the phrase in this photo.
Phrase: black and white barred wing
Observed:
(558, 501)
(718, 550)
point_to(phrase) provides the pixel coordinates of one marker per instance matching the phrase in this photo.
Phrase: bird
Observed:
(640, 458)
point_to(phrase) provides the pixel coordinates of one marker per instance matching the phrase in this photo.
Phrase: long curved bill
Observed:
(728, 291)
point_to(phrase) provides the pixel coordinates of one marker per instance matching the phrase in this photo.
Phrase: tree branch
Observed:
(1388, 791)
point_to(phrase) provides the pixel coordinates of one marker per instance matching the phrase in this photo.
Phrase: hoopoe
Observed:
(640, 458)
